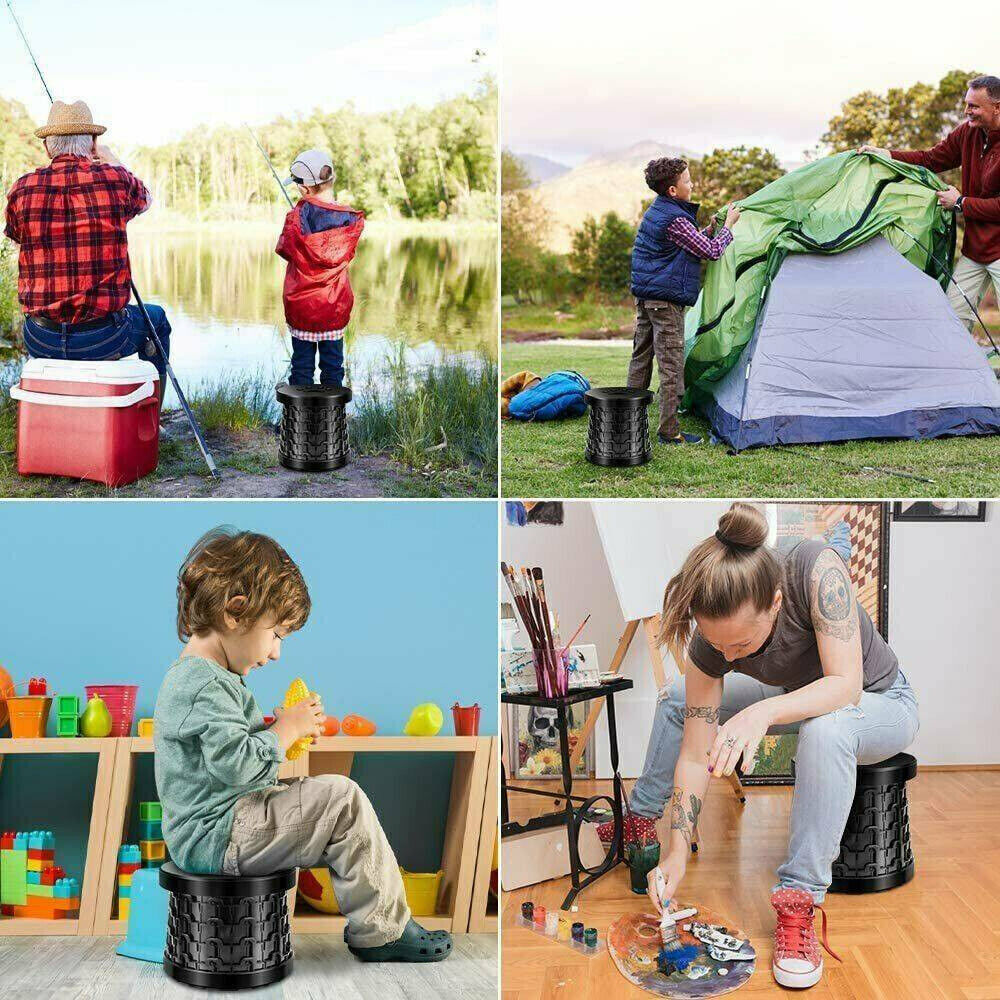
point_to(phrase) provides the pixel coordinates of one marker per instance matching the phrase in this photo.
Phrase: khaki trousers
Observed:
(973, 279)
(324, 820)
(659, 330)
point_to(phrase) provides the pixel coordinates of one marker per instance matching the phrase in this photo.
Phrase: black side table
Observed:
(573, 815)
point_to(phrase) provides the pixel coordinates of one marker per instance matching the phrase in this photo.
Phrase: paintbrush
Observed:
(558, 662)
(575, 634)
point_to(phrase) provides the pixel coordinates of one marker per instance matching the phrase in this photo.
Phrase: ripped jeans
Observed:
(324, 820)
(830, 747)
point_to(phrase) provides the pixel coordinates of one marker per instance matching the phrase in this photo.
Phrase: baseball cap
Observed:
(307, 167)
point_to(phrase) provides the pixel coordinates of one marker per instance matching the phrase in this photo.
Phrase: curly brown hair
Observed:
(662, 173)
(246, 575)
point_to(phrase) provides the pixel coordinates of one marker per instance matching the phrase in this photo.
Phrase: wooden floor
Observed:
(87, 968)
(938, 936)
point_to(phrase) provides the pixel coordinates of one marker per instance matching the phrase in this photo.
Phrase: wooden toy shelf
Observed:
(462, 861)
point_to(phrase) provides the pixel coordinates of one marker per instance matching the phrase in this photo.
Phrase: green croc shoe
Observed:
(415, 945)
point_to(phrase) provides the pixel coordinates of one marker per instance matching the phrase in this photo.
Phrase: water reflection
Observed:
(223, 296)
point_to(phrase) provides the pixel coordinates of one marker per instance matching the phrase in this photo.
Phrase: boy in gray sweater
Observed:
(224, 810)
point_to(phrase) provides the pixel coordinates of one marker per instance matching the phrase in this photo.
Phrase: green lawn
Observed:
(546, 459)
(568, 320)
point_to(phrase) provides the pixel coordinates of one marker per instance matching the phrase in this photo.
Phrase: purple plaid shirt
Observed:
(694, 240)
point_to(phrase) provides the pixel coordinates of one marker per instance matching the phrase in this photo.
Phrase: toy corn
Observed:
(297, 690)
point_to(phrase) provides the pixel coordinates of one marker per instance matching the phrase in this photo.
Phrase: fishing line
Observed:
(206, 454)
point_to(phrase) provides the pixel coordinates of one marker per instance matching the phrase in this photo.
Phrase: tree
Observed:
(513, 173)
(727, 175)
(601, 255)
(19, 149)
(913, 117)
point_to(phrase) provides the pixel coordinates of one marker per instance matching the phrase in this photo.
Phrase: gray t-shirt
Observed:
(791, 658)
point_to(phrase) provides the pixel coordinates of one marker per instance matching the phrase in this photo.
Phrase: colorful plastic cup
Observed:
(466, 719)
(590, 937)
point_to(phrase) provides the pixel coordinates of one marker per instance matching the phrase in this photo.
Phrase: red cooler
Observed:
(94, 420)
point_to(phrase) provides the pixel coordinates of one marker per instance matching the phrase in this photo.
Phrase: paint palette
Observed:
(717, 956)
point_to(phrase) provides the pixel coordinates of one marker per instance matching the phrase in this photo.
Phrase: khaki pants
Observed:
(659, 330)
(973, 279)
(325, 820)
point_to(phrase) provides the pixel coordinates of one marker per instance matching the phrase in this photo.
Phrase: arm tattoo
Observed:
(707, 712)
(686, 822)
(835, 611)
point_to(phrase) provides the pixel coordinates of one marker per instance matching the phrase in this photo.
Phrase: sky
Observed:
(152, 70)
(579, 78)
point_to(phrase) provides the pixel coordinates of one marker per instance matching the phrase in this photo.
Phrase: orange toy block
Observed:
(40, 908)
(66, 903)
(37, 853)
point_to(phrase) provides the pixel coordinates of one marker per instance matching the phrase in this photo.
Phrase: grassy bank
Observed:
(546, 459)
(570, 319)
(426, 433)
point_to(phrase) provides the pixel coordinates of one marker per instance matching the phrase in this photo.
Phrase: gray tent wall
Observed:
(859, 344)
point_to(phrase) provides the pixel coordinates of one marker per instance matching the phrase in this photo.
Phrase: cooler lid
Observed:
(126, 371)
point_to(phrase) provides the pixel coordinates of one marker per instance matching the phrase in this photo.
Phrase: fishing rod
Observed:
(284, 191)
(206, 454)
(263, 152)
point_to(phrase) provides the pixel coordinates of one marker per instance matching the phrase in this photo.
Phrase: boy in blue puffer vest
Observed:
(666, 267)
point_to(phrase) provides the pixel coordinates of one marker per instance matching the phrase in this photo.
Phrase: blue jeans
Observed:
(830, 747)
(331, 362)
(124, 333)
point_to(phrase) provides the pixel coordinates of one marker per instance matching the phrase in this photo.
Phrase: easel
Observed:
(651, 628)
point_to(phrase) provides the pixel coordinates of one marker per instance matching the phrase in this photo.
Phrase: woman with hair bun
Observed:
(770, 642)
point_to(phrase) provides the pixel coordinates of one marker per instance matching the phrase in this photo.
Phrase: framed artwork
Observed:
(536, 737)
(521, 512)
(860, 533)
(939, 510)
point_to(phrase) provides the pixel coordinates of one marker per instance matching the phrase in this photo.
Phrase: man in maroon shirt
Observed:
(74, 274)
(975, 146)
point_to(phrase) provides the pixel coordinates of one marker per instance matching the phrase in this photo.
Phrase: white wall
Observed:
(943, 614)
(943, 611)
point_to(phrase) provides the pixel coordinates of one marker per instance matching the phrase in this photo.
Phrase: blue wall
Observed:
(404, 611)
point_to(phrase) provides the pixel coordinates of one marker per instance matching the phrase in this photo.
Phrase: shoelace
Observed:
(793, 927)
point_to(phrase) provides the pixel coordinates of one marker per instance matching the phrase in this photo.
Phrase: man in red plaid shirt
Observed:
(74, 274)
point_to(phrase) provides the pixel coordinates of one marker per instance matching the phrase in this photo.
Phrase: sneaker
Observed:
(797, 961)
(638, 829)
(682, 438)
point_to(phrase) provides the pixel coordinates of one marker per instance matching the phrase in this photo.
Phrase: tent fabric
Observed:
(862, 344)
(826, 207)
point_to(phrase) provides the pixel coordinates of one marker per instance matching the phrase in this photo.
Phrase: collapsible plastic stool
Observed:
(313, 432)
(227, 933)
(875, 849)
(618, 431)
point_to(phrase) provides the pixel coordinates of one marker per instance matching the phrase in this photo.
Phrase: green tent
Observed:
(825, 207)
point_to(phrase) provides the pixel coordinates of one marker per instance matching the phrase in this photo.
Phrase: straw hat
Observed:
(70, 119)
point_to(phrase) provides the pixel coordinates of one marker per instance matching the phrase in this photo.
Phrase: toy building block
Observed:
(124, 892)
(13, 868)
(33, 878)
(152, 829)
(68, 725)
(67, 704)
(52, 875)
(38, 686)
(150, 810)
(152, 850)
(123, 908)
(124, 878)
(129, 854)
(145, 729)
(38, 891)
(41, 840)
(154, 863)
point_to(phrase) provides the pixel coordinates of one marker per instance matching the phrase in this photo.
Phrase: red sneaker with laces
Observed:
(638, 829)
(797, 961)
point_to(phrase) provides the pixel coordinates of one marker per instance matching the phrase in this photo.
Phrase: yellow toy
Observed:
(316, 889)
(425, 720)
(297, 690)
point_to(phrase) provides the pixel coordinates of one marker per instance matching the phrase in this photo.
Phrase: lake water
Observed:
(435, 297)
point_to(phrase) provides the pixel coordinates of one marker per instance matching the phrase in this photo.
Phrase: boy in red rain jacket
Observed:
(318, 240)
